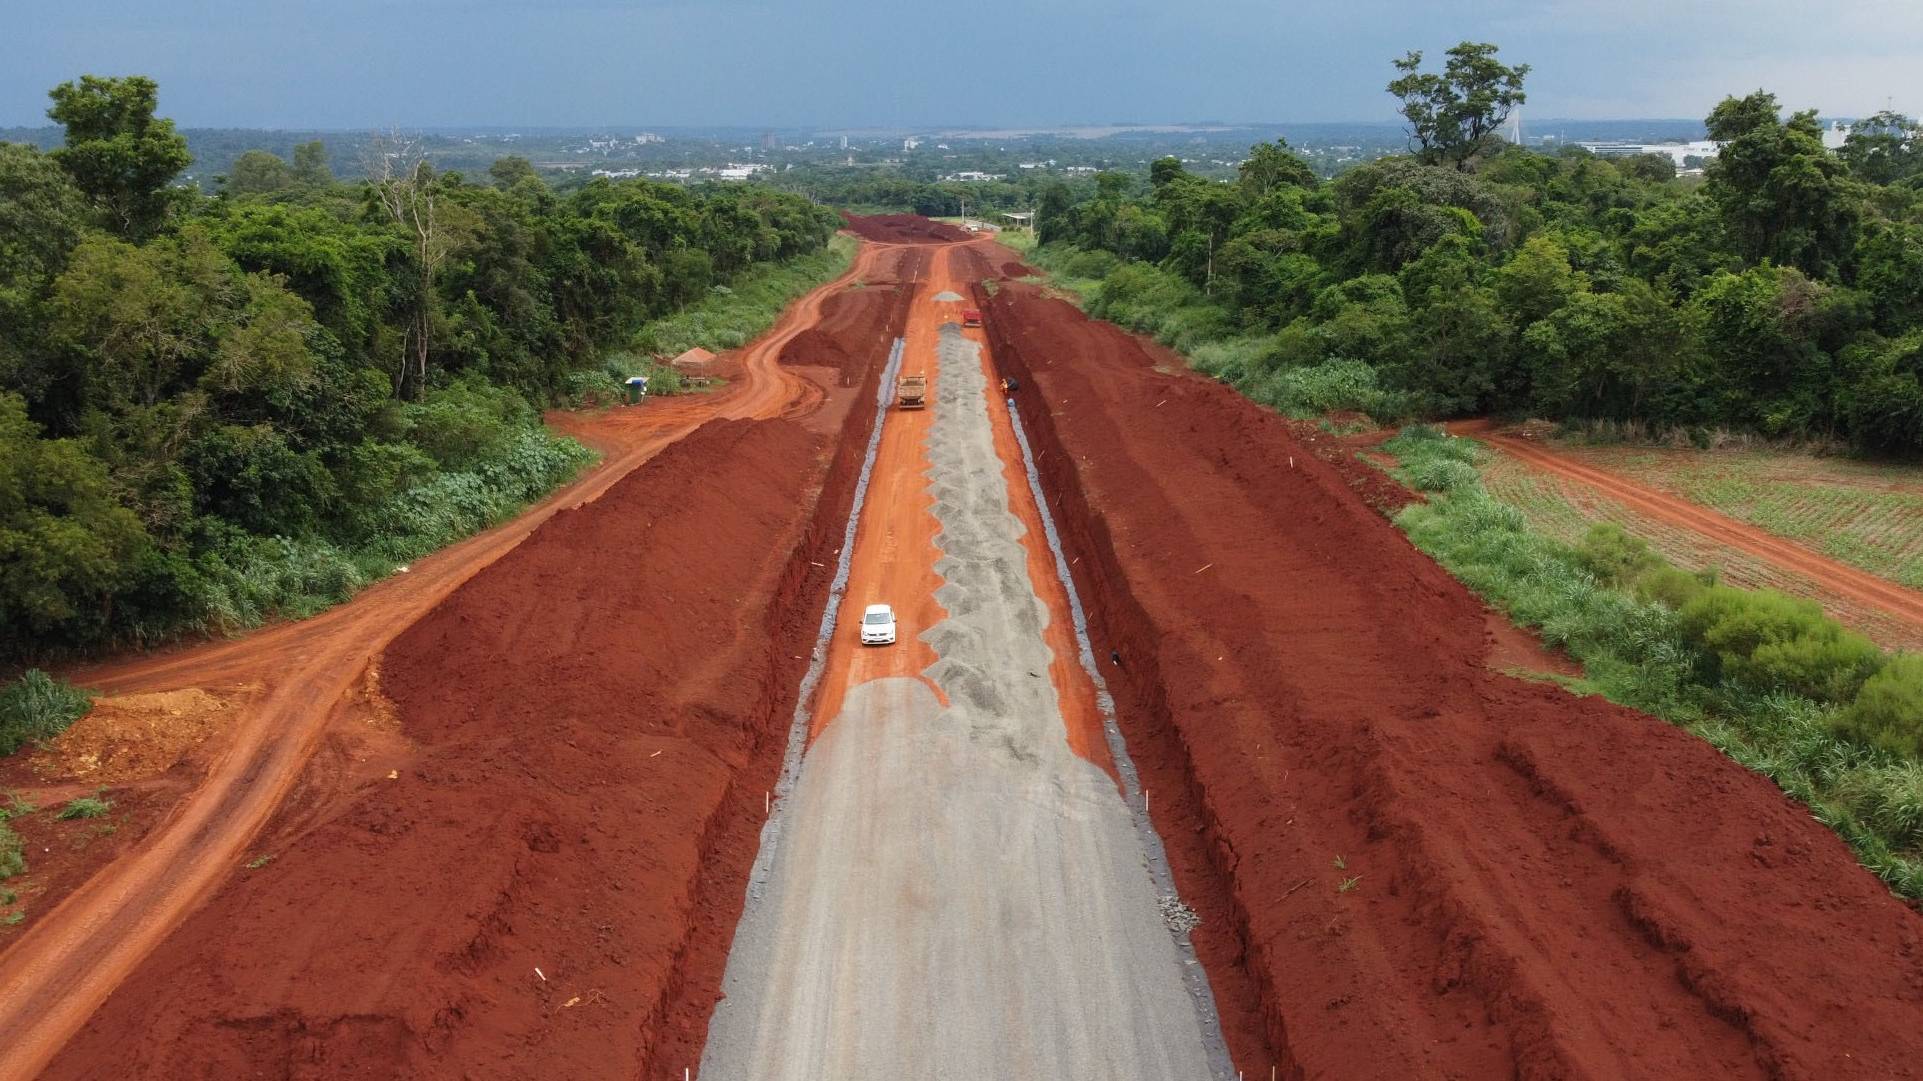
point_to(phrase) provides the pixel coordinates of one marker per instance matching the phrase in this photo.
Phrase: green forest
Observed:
(217, 409)
(1779, 292)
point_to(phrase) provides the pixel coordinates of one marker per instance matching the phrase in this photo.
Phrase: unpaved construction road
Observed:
(955, 891)
(553, 857)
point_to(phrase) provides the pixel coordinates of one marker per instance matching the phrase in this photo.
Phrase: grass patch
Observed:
(38, 707)
(733, 315)
(84, 807)
(1765, 679)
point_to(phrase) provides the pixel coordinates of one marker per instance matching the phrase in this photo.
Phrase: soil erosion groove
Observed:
(245, 980)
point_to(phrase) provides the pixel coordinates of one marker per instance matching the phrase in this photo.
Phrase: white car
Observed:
(878, 626)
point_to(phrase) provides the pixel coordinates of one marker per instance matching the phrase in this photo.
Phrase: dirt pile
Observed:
(549, 883)
(904, 229)
(132, 737)
(1428, 869)
(855, 326)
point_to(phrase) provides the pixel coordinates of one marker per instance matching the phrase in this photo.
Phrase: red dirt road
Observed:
(1830, 575)
(1426, 869)
(54, 978)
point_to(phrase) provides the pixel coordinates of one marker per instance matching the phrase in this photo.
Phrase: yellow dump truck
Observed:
(912, 391)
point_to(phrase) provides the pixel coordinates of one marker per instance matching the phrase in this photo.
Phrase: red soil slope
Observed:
(594, 720)
(855, 326)
(1428, 869)
(904, 229)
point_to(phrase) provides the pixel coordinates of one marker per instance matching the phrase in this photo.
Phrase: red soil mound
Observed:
(856, 325)
(595, 717)
(1018, 270)
(904, 229)
(1427, 869)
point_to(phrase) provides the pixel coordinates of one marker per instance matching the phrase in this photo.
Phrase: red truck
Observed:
(971, 317)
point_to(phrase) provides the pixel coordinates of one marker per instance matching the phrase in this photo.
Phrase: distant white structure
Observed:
(1678, 152)
(910, 143)
(734, 171)
(971, 175)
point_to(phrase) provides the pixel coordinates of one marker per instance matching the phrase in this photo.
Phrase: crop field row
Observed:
(1565, 509)
(1869, 515)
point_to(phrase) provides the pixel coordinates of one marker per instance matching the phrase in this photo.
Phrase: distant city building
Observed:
(1678, 152)
(910, 143)
(971, 175)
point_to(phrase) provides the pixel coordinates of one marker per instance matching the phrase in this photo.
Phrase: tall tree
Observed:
(259, 173)
(1273, 165)
(117, 152)
(1458, 112)
(404, 185)
(310, 165)
(1884, 149)
(1783, 196)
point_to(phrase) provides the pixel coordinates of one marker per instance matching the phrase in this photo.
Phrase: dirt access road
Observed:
(55, 976)
(1829, 575)
(957, 888)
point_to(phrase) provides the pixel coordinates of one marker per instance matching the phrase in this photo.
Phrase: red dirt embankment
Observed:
(855, 326)
(904, 229)
(1428, 869)
(595, 719)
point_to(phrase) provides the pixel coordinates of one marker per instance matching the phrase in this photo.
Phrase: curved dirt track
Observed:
(1427, 868)
(1830, 575)
(55, 977)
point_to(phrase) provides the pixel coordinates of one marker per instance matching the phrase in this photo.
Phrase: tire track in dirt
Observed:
(1846, 581)
(52, 980)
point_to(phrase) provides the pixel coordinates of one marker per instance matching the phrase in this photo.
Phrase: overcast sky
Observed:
(898, 63)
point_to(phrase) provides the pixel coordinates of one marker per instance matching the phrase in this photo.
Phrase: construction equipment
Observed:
(912, 391)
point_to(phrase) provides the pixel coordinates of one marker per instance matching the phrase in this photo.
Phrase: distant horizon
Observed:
(958, 130)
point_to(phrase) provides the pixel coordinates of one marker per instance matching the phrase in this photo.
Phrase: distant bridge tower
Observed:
(1517, 118)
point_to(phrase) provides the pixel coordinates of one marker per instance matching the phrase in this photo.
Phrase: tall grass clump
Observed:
(38, 707)
(1767, 679)
(733, 315)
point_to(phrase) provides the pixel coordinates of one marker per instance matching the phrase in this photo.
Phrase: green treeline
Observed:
(213, 410)
(1780, 292)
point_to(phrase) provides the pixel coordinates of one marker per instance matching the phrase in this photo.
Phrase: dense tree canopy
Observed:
(200, 394)
(1782, 292)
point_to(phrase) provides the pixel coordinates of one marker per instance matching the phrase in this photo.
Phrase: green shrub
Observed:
(1888, 711)
(466, 422)
(1614, 555)
(37, 707)
(1329, 387)
(13, 860)
(1769, 641)
(84, 807)
(1441, 475)
(1670, 586)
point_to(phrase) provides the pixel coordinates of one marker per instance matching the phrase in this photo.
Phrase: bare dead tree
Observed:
(403, 181)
